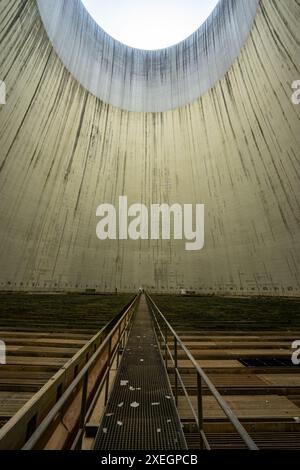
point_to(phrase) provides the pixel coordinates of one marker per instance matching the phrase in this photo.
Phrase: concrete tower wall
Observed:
(236, 149)
(139, 80)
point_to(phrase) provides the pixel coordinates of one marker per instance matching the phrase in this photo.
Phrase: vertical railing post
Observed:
(119, 345)
(175, 370)
(200, 408)
(123, 338)
(83, 409)
(108, 371)
(166, 348)
(157, 328)
(126, 326)
(160, 334)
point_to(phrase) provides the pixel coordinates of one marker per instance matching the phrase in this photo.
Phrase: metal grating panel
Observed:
(265, 440)
(141, 412)
(267, 362)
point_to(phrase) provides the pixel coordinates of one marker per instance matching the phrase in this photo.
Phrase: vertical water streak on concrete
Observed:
(236, 149)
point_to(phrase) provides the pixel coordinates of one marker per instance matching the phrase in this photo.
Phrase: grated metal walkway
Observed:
(141, 412)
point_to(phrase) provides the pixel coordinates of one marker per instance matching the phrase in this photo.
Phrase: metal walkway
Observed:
(141, 412)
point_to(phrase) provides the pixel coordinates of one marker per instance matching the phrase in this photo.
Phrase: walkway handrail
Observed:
(82, 376)
(201, 375)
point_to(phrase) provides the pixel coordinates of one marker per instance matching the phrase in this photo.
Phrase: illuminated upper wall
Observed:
(139, 80)
(236, 149)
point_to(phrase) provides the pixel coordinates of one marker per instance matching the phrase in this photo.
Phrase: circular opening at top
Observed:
(150, 24)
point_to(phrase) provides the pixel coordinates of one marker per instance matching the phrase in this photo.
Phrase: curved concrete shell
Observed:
(139, 80)
(64, 151)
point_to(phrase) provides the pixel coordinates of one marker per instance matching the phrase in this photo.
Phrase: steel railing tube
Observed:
(204, 378)
(80, 377)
